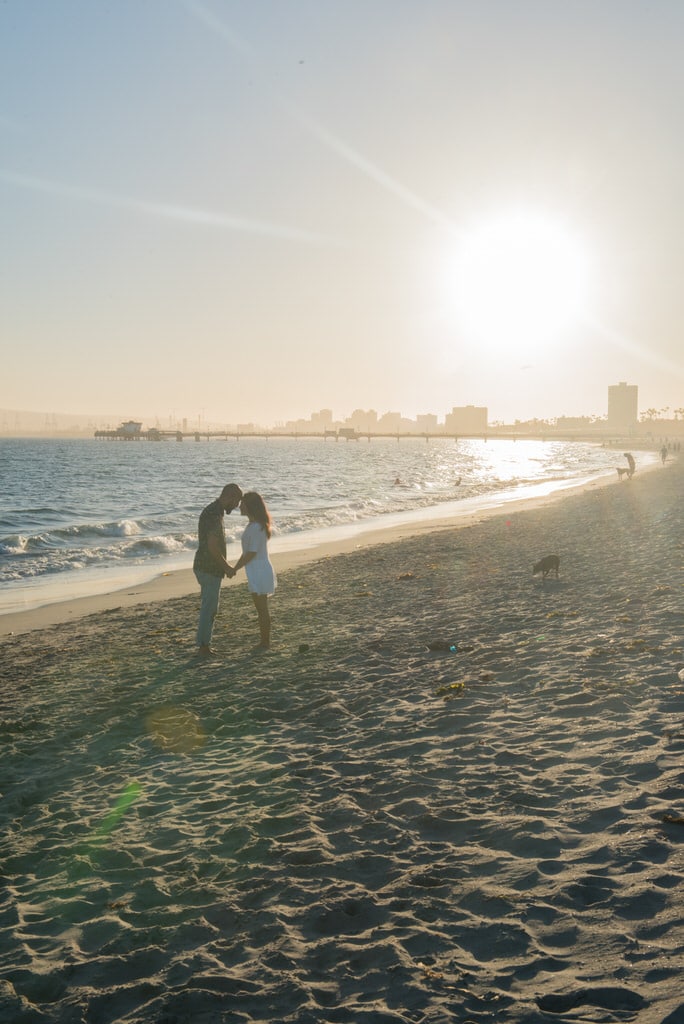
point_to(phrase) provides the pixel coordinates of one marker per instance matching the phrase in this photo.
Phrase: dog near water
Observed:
(623, 472)
(550, 563)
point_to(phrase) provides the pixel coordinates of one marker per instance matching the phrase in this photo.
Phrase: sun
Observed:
(521, 280)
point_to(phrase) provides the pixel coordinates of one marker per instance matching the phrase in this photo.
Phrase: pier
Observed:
(154, 434)
(126, 433)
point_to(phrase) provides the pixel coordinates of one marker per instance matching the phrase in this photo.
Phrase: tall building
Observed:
(623, 402)
(467, 419)
(390, 422)
(426, 423)
(363, 420)
(322, 420)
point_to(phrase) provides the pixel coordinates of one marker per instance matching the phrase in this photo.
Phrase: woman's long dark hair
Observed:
(256, 510)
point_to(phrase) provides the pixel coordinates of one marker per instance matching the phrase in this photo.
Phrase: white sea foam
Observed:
(128, 528)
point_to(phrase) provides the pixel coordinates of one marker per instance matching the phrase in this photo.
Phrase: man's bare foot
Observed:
(205, 652)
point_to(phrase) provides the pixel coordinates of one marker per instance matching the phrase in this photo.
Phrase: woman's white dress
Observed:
(261, 577)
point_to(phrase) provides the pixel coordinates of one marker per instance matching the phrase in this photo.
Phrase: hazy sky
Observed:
(252, 209)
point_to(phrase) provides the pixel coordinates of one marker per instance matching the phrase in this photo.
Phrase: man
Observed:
(210, 565)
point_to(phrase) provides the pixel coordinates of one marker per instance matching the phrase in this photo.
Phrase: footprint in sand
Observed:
(607, 998)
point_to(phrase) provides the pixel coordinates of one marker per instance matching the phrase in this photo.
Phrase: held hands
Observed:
(231, 572)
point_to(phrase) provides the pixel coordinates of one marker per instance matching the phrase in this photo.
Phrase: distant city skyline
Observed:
(621, 412)
(400, 204)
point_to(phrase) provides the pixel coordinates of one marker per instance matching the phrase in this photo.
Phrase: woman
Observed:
(261, 577)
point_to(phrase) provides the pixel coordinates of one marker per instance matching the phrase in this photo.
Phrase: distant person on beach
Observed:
(663, 453)
(210, 565)
(631, 463)
(261, 577)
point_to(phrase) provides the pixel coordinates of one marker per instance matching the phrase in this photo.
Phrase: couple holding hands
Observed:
(210, 565)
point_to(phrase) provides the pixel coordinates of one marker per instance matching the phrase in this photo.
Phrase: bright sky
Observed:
(252, 209)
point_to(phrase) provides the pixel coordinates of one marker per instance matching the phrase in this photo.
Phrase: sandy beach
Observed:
(364, 825)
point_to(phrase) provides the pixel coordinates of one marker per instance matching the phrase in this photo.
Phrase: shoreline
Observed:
(181, 582)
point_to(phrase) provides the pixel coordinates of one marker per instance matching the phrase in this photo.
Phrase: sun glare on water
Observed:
(520, 281)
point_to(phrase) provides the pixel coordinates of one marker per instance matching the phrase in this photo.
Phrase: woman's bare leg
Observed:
(261, 605)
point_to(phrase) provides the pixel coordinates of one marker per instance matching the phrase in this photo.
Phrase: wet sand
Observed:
(363, 825)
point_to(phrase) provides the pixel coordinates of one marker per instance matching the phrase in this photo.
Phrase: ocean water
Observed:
(89, 515)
